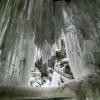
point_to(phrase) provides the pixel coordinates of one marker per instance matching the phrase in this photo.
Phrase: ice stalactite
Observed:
(82, 50)
(16, 46)
(46, 51)
(72, 46)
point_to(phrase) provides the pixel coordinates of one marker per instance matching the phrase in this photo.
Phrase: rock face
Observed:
(27, 23)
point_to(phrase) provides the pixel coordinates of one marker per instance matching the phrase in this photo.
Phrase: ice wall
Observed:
(16, 43)
(82, 34)
(25, 24)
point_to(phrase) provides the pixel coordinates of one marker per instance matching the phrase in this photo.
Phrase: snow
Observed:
(47, 84)
(65, 59)
(55, 79)
(54, 82)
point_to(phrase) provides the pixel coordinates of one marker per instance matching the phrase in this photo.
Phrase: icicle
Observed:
(30, 8)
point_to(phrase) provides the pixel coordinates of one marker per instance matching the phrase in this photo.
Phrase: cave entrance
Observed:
(55, 71)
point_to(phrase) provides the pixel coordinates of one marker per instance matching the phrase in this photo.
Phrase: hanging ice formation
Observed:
(29, 33)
